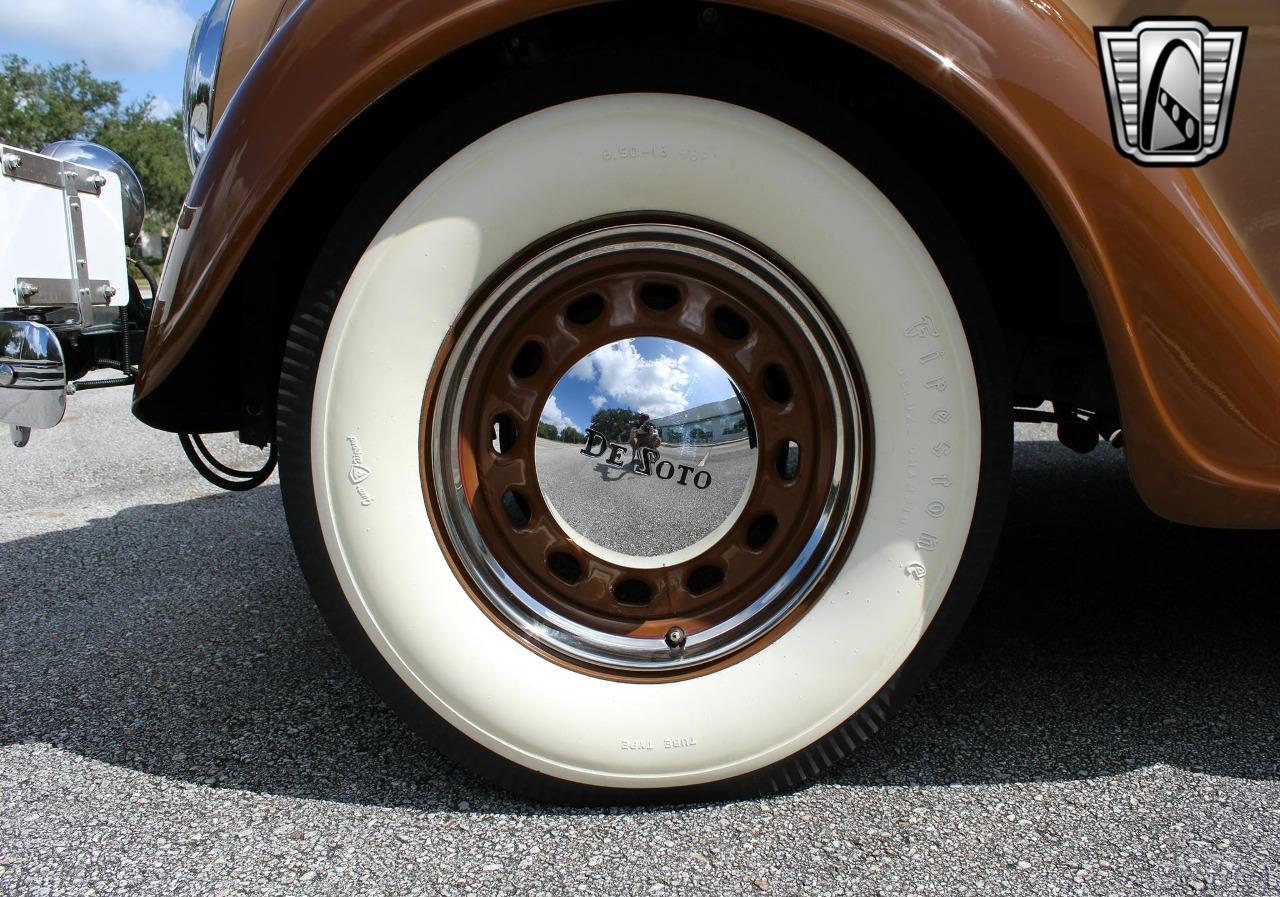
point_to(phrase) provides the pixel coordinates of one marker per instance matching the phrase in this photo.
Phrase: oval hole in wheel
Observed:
(504, 433)
(760, 531)
(777, 385)
(565, 566)
(517, 508)
(659, 296)
(635, 592)
(787, 460)
(730, 324)
(527, 360)
(585, 309)
(704, 579)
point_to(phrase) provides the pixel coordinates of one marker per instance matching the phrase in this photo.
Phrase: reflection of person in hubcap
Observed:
(643, 433)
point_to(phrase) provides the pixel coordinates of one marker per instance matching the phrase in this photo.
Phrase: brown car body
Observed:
(1181, 266)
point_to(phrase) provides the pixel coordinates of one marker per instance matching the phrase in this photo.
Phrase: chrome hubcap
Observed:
(632, 547)
(648, 490)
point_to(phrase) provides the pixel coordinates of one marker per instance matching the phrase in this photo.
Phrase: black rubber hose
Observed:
(221, 475)
(143, 305)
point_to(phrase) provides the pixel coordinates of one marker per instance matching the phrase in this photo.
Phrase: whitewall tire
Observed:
(372, 329)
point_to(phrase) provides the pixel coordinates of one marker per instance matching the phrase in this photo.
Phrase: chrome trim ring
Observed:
(534, 619)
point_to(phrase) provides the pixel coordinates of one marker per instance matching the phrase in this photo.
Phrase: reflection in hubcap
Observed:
(646, 488)
(625, 546)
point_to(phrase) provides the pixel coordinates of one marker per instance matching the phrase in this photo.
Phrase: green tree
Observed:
(547, 431)
(41, 104)
(614, 423)
(153, 146)
(572, 434)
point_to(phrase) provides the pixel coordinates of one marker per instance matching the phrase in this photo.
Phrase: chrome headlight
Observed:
(201, 78)
(91, 155)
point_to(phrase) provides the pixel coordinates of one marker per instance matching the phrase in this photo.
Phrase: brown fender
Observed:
(1192, 334)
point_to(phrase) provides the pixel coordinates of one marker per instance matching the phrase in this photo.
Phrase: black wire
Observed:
(217, 465)
(210, 467)
(143, 304)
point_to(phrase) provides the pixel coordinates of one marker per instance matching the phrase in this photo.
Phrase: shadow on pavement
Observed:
(179, 640)
(1106, 638)
(606, 472)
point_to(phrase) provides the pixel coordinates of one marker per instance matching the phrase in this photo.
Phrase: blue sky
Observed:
(657, 376)
(140, 43)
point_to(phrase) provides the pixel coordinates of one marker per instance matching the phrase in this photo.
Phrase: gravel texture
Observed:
(175, 718)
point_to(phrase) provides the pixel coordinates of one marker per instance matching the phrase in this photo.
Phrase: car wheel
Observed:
(727, 639)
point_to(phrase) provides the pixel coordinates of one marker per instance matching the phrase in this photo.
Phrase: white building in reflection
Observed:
(720, 421)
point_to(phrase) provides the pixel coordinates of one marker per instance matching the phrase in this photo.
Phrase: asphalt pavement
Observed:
(175, 718)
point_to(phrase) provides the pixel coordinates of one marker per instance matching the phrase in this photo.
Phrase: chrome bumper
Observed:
(33, 378)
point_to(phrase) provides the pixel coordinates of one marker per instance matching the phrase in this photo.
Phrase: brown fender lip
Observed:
(1192, 334)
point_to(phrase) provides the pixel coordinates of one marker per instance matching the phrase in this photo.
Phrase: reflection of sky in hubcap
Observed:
(594, 448)
(656, 376)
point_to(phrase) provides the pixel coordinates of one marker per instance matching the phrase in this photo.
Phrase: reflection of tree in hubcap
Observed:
(641, 484)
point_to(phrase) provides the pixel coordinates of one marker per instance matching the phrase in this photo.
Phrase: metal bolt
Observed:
(7, 375)
(675, 638)
(27, 290)
(71, 389)
(97, 181)
(108, 292)
(12, 162)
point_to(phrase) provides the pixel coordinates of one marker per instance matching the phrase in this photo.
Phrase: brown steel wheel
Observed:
(619, 611)
(645, 446)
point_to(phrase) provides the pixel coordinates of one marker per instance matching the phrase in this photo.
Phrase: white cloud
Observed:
(551, 414)
(597, 401)
(656, 386)
(160, 108)
(115, 36)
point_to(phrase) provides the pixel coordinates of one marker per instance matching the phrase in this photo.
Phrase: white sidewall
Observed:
(517, 184)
